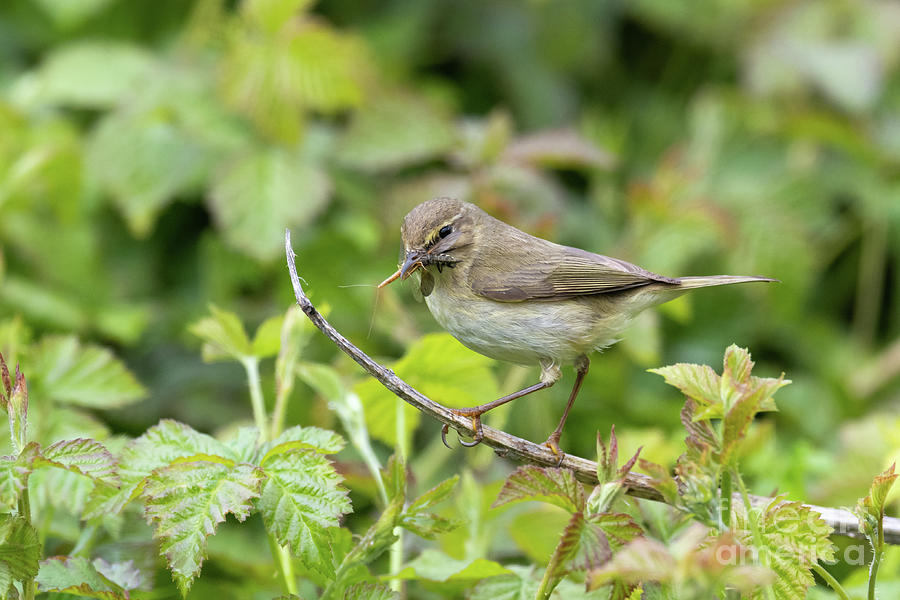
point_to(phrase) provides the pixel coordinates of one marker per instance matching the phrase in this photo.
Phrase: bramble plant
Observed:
(186, 483)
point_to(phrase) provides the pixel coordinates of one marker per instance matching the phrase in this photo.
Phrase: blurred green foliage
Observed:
(152, 153)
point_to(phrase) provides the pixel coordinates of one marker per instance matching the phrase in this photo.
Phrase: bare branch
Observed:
(509, 446)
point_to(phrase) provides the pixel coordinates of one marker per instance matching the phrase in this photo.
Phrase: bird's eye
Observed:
(445, 231)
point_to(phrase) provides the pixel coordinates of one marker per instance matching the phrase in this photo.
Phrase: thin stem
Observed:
(251, 365)
(278, 412)
(876, 560)
(283, 564)
(28, 585)
(832, 582)
(280, 554)
(725, 514)
(547, 585)
(396, 553)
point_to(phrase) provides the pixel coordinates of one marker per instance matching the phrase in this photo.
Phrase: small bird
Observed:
(514, 297)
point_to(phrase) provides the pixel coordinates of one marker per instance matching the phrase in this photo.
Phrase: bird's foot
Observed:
(477, 432)
(553, 444)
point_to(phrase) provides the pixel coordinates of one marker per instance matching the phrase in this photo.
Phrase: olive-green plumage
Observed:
(523, 299)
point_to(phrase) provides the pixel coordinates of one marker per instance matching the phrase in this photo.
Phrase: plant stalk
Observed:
(876, 559)
(251, 365)
(28, 585)
(396, 552)
(832, 582)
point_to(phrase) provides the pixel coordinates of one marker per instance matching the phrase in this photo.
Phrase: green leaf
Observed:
(144, 159)
(441, 368)
(416, 517)
(370, 591)
(84, 456)
(793, 537)
(186, 501)
(395, 131)
(618, 528)
(700, 383)
(20, 549)
(160, 446)
(434, 565)
(554, 486)
(271, 15)
(272, 79)
(92, 74)
(523, 584)
(14, 399)
(257, 195)
(84, 375)
(321, 441)
(267, 339)
(301, 498)
(14, 472)
(89, 579)
(223, 336)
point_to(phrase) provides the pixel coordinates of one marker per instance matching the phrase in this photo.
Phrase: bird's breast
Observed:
(524, 332)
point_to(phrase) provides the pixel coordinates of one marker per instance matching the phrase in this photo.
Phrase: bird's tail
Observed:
(689, 283)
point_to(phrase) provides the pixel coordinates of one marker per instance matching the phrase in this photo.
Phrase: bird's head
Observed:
(437, 233)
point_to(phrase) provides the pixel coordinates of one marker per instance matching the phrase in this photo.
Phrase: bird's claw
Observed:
(553, 444)
(477, 435)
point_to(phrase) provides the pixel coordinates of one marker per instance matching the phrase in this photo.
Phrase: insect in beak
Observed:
(412, 262)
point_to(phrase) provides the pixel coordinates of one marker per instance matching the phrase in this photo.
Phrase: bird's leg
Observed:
(475, 412)
(581, 369)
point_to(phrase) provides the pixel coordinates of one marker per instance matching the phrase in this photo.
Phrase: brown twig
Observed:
(843, 522)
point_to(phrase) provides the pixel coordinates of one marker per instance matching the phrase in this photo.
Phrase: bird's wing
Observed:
(562, 272)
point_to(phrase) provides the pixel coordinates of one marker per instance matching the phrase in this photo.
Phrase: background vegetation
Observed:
(151, 154)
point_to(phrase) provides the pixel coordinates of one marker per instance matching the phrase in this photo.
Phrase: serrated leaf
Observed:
(256, 196)
(321, 441)
(92, 74)
(434, 565)
(89, 579)
(223, 335)
(82, 374)
(186, 501)
(301, 498)
(244, 444)
(20, 549)
(14, 472)
(159, 446)
(700, 383)
(619, 528)
(793, 537)
(442, 369)
(370, 591)
(83, 456)
(554, 486)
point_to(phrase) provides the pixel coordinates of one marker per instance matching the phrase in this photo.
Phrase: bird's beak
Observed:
(410, 264)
